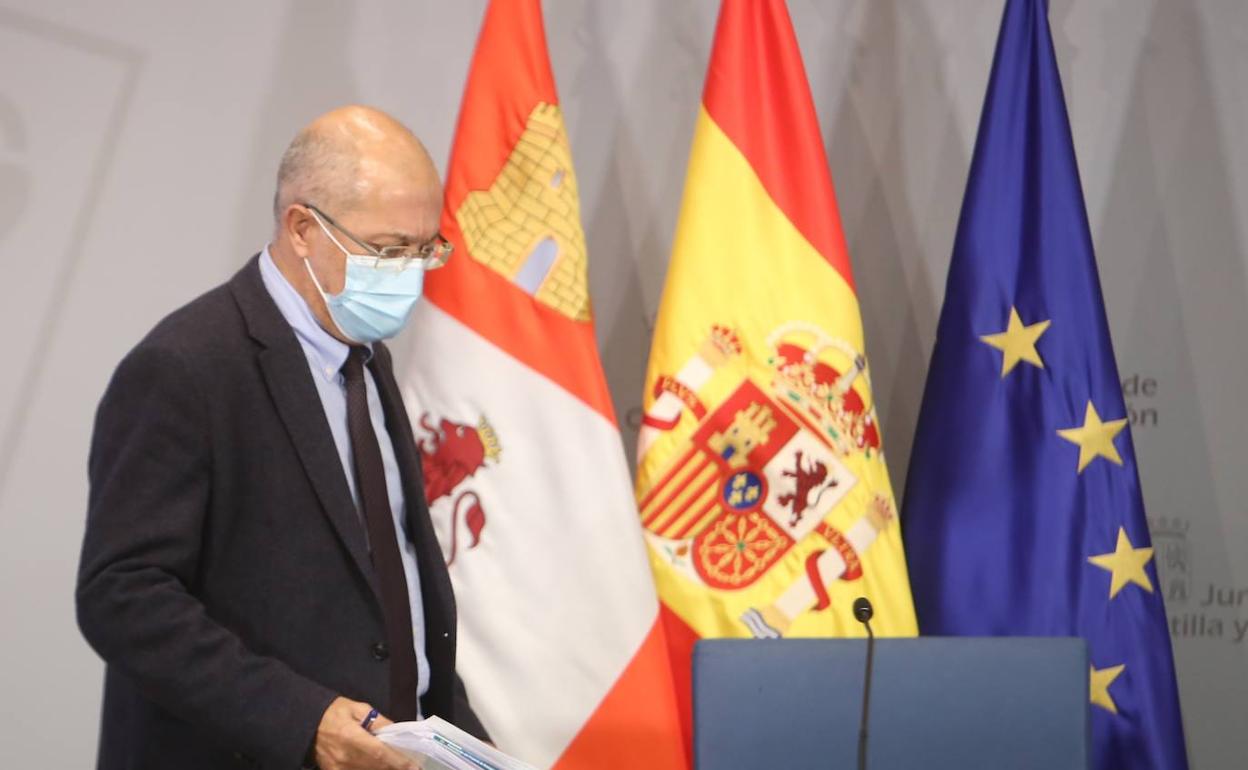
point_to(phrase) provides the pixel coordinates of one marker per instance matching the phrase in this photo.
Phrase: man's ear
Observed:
(297, 224)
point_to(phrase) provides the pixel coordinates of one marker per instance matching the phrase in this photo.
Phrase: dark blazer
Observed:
(225, 577)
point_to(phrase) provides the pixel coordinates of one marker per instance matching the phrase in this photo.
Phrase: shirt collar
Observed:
(329, 352)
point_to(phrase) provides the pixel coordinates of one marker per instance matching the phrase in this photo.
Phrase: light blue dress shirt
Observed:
(326, 355)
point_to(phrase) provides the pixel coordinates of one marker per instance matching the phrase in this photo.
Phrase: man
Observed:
(259, 569)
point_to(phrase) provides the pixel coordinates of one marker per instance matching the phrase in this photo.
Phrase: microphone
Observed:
(863, 611)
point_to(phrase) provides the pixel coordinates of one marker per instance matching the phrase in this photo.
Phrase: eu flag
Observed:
(1023, 513)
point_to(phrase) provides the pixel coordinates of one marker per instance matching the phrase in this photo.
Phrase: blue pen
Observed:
(368, 720)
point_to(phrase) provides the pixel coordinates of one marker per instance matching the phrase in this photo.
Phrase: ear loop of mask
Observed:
(316, 282)
(325, 230)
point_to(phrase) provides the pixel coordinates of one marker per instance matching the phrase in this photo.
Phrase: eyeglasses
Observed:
(431, 255)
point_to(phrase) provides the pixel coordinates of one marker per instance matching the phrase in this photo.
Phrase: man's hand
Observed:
(342, 744)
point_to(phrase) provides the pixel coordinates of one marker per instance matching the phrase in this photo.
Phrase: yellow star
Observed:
(1095, 438)
(1098, 685)
(1017, 342)
(1126, 565)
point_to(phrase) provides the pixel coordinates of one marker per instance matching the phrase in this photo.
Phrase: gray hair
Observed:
(317, 168)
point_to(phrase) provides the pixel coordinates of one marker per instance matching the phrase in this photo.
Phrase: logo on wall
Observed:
(451, 454)
(1173, 556)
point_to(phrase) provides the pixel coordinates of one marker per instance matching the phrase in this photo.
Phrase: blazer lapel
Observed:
(285, 369)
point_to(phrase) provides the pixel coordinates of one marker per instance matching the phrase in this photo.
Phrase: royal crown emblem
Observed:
(808, 374)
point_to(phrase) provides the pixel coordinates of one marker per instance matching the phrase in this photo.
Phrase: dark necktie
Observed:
(370, 483)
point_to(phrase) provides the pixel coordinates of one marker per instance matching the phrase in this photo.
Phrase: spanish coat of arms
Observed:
(764, 471)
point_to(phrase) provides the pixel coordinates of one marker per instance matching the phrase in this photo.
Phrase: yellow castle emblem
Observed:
(527, 225)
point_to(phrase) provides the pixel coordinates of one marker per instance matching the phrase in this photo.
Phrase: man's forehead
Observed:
(399, 210)
(399, 226)
(386, 164)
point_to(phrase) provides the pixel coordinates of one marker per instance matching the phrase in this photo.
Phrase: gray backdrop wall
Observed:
(139, 139)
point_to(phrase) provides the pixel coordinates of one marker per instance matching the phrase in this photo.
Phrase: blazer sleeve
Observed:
(150, 484)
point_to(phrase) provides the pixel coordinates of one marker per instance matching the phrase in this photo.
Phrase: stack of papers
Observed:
(440, 745)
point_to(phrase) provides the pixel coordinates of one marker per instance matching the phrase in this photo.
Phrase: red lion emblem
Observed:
(450, 454)
(807, 480)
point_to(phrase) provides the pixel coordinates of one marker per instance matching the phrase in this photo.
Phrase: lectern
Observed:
(936, 703)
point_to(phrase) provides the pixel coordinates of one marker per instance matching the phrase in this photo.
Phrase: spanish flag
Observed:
(764, 496)
(561, 646)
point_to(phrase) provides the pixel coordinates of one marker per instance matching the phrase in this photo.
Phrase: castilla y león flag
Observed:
(560, 642)
(763, 492)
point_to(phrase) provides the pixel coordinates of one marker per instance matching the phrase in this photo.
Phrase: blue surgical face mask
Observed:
(378, 296)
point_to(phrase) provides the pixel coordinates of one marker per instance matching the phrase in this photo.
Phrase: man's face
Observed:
(401, 214)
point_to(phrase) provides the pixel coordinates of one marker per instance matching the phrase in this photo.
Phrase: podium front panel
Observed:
(1017, 703)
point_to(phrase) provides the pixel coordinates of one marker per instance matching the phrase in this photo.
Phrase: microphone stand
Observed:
(863, 612)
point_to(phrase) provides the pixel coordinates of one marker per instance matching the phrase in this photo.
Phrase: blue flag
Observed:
(1023, 513)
